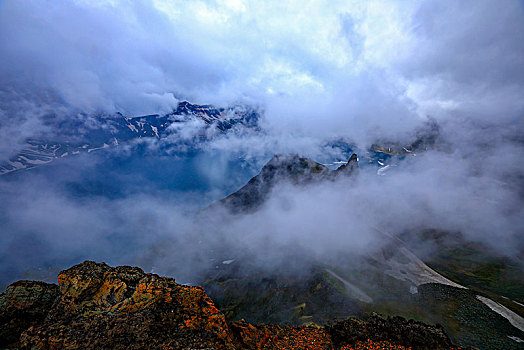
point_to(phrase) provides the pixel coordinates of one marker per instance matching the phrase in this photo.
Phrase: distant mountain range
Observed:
(87, 134)
(189, 124)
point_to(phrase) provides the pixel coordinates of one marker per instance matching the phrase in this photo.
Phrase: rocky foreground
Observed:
(96, 306)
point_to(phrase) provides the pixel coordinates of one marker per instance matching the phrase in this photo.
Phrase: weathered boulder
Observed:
(22, 305)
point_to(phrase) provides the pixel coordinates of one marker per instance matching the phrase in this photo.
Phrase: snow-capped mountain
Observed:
(84, 135)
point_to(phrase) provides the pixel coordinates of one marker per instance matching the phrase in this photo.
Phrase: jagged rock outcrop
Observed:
(97, 306)
(350, 168)
(396, 330)
(22, 305)
(125, 308)
(261, 336)
(291, 168)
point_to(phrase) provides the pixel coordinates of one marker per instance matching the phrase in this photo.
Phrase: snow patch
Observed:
(352, 289)
(94, 149)
(34, 161)
(17, 165)
(414, 270)
(516, 302)
(517, 339)
(155, 130)
(513, 318)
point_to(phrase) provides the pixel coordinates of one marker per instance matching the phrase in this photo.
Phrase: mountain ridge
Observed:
(94, 133)
(282, 167)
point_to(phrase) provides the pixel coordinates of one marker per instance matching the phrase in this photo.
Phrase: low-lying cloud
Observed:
(325, 70)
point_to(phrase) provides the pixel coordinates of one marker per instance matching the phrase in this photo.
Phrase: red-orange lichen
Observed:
(111, 306)
(374, 345)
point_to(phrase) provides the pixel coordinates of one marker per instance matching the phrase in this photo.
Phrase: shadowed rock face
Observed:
(22, 305)
(97, 306)
(292, 168)
(396, 330)
(350, 168)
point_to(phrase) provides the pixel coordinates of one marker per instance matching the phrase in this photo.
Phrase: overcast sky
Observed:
(356, 67)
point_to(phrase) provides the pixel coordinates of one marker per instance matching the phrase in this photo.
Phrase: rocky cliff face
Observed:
(24, 304)
(288, 167)
(96, 306)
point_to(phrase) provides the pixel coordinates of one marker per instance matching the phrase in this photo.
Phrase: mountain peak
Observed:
(350, 167)
(293, 168)
(92, 133)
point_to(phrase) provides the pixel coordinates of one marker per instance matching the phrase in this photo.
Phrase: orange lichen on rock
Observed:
(24, 304)
(98, 306)
(123, 307)
(374, 345)
(257, 337)
(263, 336)
(200, 312)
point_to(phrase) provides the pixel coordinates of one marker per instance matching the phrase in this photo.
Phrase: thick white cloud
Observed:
(358, 69)
(349, 67)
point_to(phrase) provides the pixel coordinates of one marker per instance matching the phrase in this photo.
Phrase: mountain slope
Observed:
(390, 280)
